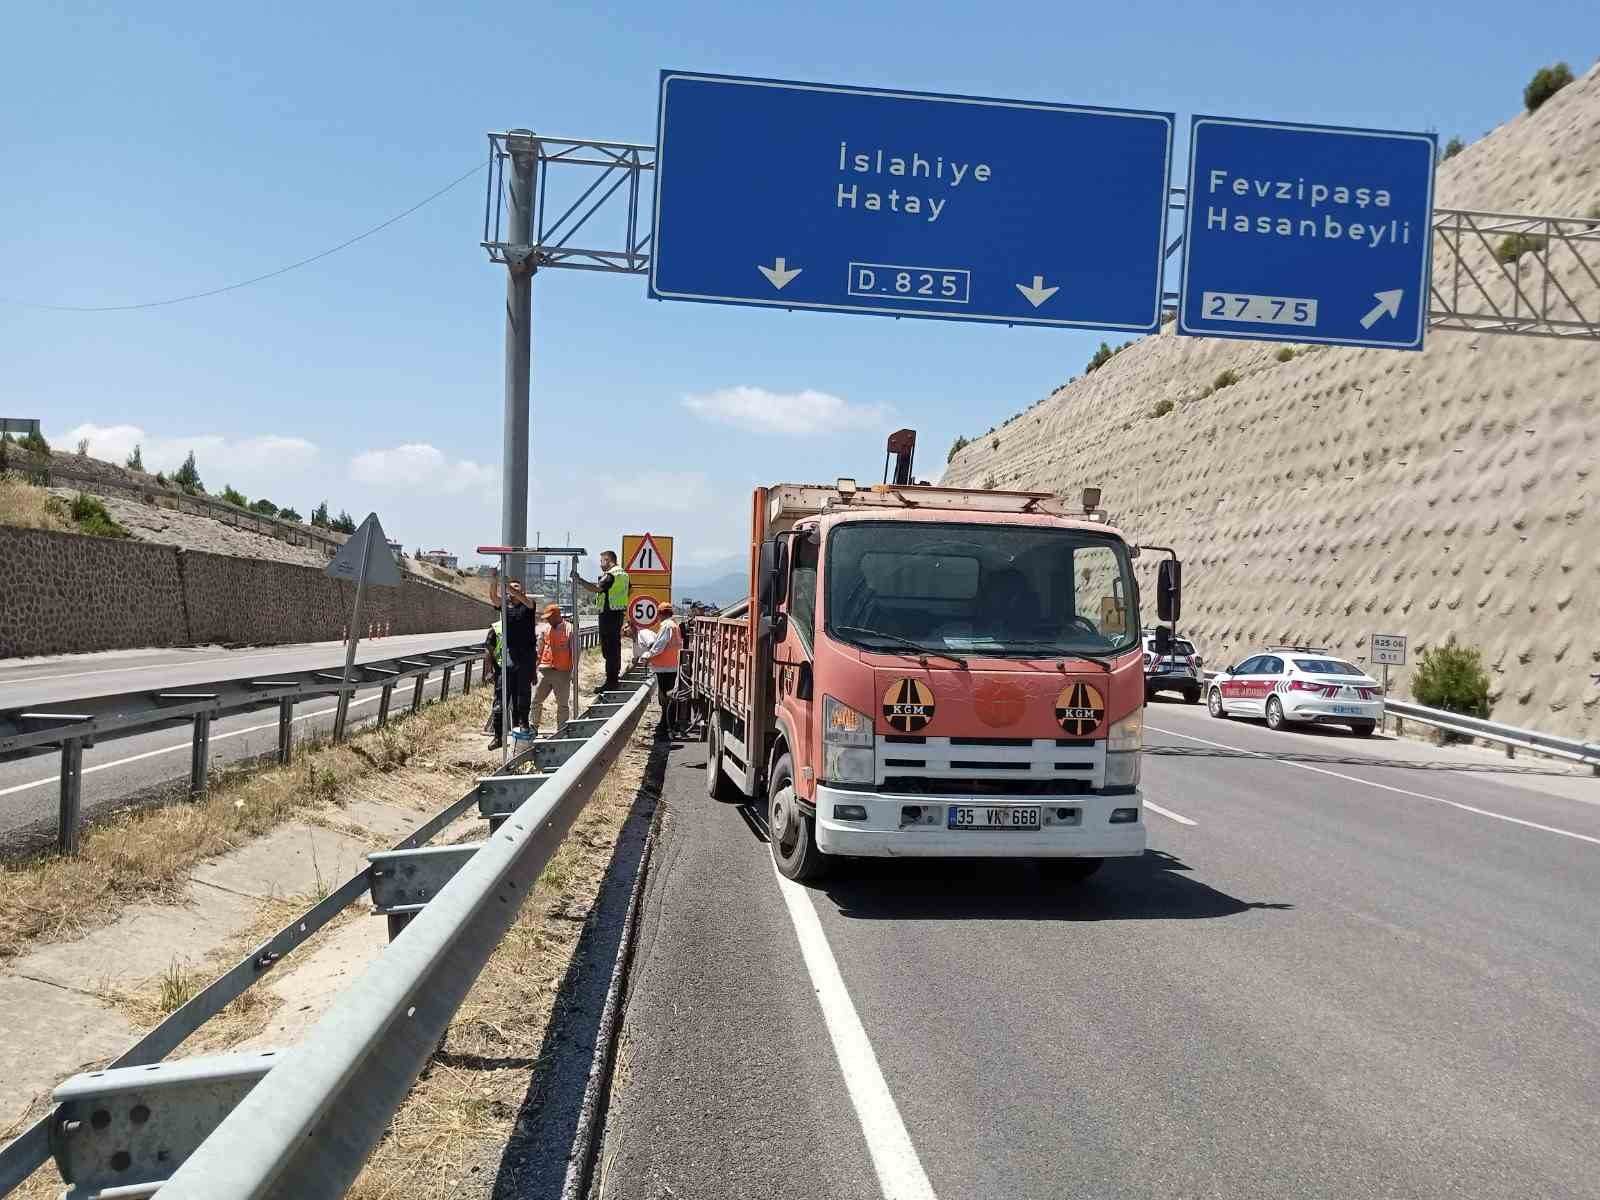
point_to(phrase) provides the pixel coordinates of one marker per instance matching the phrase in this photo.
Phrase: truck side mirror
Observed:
(1161, 641)
(780, 574)
(1169, 590)
(764, 578)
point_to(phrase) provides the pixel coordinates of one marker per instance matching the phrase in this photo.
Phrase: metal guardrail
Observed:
(123, 1131)
(1512, 737)
(74, 725)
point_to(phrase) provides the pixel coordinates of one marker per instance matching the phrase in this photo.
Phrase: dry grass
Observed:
(29, 507)
(462, 1109)
(147, 853)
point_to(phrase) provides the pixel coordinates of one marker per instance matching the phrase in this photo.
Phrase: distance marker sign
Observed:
(1307, 233)
(847, 199)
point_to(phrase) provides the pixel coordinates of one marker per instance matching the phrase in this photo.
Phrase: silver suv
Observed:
(1178, 671)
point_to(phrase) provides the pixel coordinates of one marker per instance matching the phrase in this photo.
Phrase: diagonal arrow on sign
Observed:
(1388, 306)
(777, 275)
(1038, 293)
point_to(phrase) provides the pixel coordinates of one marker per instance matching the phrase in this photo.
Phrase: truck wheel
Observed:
(718, 786)
(794, 835)
(1069, 870)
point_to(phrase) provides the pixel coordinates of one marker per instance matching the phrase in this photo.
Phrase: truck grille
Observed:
(915, 765)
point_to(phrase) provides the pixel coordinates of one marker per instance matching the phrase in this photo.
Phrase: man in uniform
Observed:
(612, 588)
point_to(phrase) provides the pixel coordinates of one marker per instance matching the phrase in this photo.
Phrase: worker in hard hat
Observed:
(555, 666)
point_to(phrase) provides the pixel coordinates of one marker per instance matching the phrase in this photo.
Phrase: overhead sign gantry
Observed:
(909, 204)
(1307, 233)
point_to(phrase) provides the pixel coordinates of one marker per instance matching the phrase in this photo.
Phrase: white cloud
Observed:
(421, 467)
(802, 413)
(216, 456)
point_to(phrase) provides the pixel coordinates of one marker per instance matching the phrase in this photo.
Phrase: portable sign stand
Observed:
(647, 558)
(366, 557)
(1388, 649)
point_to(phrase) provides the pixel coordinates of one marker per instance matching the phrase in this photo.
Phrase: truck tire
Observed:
(1069, 870)
(794, 835)
(718, 786)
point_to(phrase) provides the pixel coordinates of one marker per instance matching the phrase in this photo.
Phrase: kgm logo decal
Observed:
(908, 705)
(1080, 709)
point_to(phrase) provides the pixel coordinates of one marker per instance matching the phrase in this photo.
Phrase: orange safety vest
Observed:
(665, 658)
(555, 650)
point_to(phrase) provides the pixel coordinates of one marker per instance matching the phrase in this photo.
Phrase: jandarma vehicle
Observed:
(1293, 684)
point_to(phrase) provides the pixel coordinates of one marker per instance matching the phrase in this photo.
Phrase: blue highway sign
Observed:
(847, 199)
(1307, 233)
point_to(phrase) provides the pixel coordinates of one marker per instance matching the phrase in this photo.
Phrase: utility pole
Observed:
(520, 267)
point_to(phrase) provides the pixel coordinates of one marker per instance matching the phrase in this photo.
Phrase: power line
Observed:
(243, 283)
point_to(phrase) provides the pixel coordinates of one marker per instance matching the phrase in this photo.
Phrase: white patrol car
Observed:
(1178, 671)
(1290, 684)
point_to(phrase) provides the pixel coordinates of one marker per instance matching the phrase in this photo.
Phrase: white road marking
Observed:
(186, 744)
(1168, 813)
(900, 1173)
(1482, 812)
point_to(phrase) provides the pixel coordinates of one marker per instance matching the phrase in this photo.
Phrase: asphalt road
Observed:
(122, 769)
(1345, 968)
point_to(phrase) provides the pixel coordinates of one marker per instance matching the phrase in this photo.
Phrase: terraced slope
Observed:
(1346, 492)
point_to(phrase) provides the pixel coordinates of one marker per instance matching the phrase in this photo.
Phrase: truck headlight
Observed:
(847, 744)
(1126, 734)
(1124, 741)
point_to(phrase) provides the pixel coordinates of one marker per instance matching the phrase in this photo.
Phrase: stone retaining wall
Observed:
(66, 593)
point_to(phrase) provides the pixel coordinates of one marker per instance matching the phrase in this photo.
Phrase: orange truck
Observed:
(931, 672)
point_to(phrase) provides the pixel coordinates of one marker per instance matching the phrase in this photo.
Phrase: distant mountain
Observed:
(719, 583)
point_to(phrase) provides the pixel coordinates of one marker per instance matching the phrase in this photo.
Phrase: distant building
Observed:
(396, 549)
(440, 558)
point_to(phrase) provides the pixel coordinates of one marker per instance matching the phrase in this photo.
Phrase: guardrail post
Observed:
(71, 793)
(341, 711)
(1511, 751)
(466, 677)
(383, 704)
(200, 754)
(444, 690)
(285, 730)
(416, 693)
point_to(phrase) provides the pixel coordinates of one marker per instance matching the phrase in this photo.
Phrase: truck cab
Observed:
(932, 672)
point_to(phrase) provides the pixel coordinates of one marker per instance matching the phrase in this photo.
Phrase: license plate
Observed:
(984, 816)
(1347, 710)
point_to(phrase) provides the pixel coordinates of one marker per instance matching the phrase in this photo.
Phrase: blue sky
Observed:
(161, 149)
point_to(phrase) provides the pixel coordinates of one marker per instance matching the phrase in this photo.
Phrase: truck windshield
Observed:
(1004, 590)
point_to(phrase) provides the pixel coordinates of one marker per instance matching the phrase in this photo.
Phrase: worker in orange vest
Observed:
(662, 656)
(555, 665)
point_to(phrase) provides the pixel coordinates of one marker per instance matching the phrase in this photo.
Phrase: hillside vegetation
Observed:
(1333, 493)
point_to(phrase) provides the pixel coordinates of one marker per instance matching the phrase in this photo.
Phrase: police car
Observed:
(1178, 671)
(1293, 684)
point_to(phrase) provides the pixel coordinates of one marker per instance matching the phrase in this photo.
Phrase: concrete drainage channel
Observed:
(300, 1122)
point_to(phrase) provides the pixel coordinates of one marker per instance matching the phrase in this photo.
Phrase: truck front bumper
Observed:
(886, 833)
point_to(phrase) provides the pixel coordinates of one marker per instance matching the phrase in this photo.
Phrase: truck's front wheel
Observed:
(794, 835)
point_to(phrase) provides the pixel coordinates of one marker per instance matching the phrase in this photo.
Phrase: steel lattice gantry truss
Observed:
(1506, 273)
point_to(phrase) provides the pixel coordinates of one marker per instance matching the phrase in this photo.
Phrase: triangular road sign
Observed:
(647, 556)
(381, 566)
